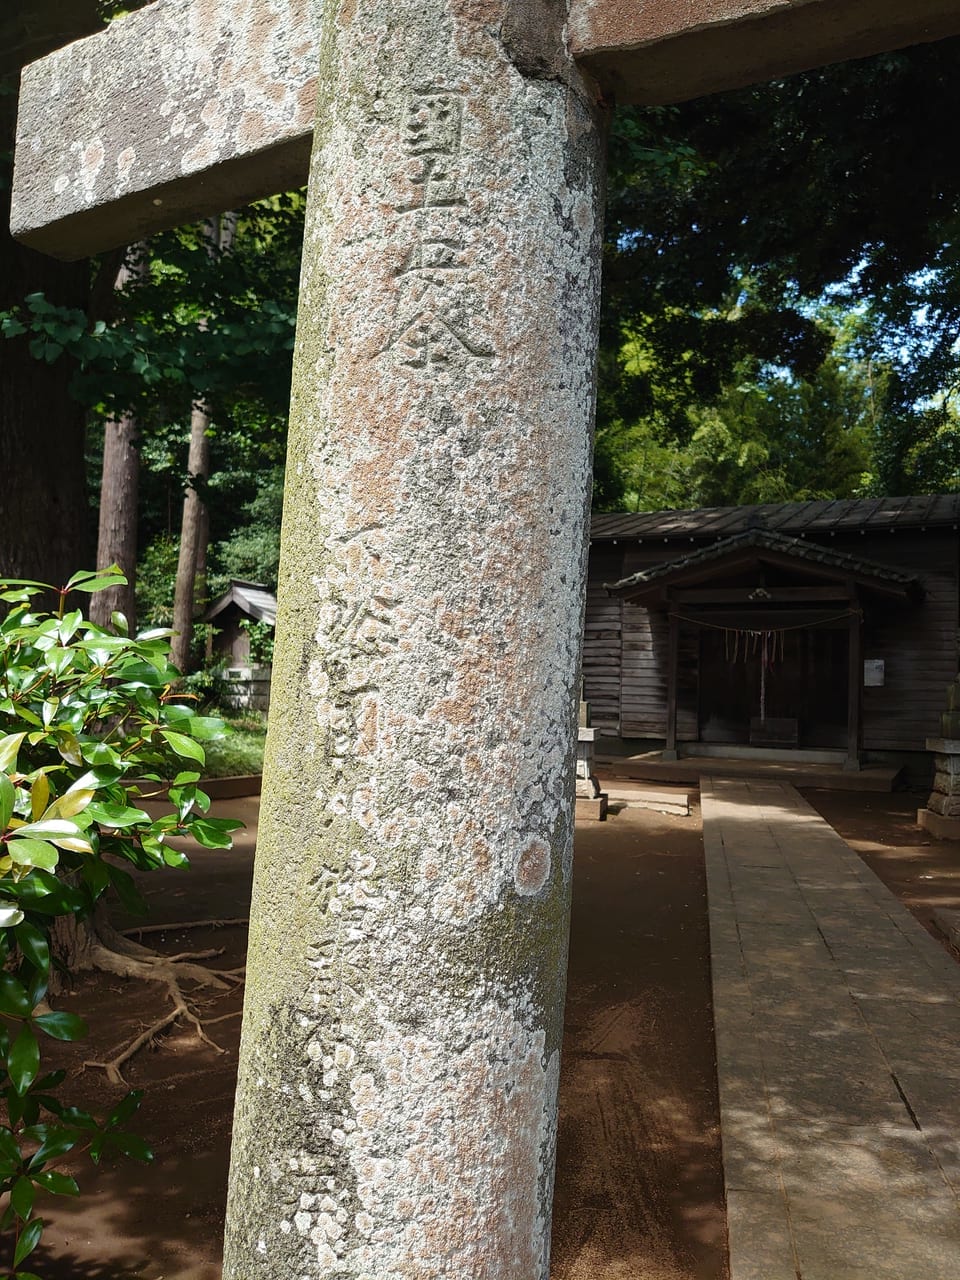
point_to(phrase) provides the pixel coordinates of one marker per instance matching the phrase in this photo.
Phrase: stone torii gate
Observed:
(396, 1105)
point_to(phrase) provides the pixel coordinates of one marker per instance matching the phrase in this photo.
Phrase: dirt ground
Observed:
(639, 1191)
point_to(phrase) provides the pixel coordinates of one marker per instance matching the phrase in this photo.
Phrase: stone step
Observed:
(639, 797)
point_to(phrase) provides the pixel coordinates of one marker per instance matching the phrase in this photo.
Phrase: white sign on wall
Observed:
(873, 673)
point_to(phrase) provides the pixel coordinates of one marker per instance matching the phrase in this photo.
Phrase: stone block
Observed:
(591, 810)
(946, 805)
(938, 826)
(947, 767)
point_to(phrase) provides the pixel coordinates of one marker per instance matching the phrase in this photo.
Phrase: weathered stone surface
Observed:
(180, 109)
(654, 51)
(396, 1106)
(939, 827)
(947, 781)
(946, 804)
(193, 106)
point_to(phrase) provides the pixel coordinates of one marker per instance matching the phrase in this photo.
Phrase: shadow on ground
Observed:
(639, 1192)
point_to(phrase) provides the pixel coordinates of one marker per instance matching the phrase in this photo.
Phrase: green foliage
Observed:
(261, 641)
(252, 551)
(83, 713)
(209, 686)
(156, 578)
(743, 230)
(191, 322)
(240, 752)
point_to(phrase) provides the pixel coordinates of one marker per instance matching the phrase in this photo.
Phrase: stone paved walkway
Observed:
(838, 1048)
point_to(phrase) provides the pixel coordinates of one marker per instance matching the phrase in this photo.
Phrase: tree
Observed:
(730, 218)
(45, 515)
(92, 711)
(83, 713)
(190, 334)
(253, 549)
(219, 234)
(119, 492)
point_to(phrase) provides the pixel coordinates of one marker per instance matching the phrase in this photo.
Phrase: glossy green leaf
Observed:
(58, 1184)
(34, 945)
(57, 1141)
(37, 983)
(117, 816)
(214, 833)
(28, 1241)
(72, 802)
(127, 1107)
(68, 746)
(100, 754)
(13, 997)
(58, 660)
(61, 1026)
(48, 828)
(51, 1080)
(127, 890)
(174, 857)
(10, 914)
(205, 727)
(29, 1108)
(32, 853)
(9, 748)
(183, 746)
(39, 796)
(41, 891)
(23, 1060)
(9, 1147)
(69, 625)
(71, 1115)
(131, 1144)
(8, 798)
(21, 1197)
(97, 580)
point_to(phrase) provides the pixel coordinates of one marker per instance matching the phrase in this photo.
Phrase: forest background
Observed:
(779, 321)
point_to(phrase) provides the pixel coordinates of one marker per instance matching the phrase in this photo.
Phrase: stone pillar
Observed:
(941, 817)
(396, 1105)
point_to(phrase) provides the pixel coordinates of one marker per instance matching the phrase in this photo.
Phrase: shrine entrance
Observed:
(774, 687)
(765, 641)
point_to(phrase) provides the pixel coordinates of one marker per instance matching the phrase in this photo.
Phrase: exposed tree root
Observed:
(107, 950)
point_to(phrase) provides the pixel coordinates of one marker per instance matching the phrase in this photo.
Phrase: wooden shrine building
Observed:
(800, 627)
(244, 603)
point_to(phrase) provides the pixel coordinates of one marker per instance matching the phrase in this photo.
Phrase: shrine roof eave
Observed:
(756, 546)
(251, 598)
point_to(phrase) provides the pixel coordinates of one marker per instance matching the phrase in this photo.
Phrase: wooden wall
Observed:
(602, 641)
(918, 643)
(625, 648)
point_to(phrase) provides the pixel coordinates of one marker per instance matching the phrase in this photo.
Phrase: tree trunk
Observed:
(192, 560)
(198, 468)
(117, 540)
(119, 492)
(44, 518)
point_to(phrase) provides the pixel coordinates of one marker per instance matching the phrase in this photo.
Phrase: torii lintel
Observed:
(187, 107)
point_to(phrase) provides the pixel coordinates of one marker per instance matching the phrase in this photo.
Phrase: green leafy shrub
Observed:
(88, 719)
(240, 751)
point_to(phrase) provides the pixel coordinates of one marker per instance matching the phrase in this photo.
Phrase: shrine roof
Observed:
(762, 544)
(791, 518)
(251, 598)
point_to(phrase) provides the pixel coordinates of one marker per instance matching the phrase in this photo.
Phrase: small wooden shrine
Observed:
(817, 626)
